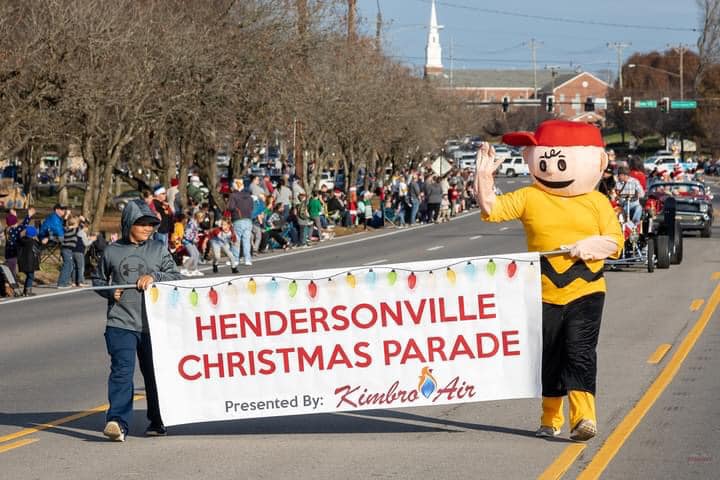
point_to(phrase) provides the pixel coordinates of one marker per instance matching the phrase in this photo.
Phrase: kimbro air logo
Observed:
(427, 384)
(361, 396)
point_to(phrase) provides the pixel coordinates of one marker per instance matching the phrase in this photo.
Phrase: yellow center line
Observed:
(626, 427)
(561, 464)
(658, 355)
(696, 304)
(21, 443)
(70, 418)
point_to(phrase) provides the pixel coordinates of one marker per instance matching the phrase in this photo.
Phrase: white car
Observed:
(466, 160)
(501, 151)
(667, 162)
(327, 179)
(514, 166)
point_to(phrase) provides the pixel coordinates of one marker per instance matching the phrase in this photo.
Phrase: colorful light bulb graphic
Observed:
(252, 286)
(194, 298)
(292, 289)
(312, 289)
(154, 294)
(351, 280)
(451, 276)
(174, 297)
(491, 267)
(213, 296)
(392, 277)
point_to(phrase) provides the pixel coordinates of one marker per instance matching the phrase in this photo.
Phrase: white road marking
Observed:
(475, 237)
(375, 262)
(502, 229)
(510, 182)
(436, 247)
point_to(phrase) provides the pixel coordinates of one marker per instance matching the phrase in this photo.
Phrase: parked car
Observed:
(693, 204)
(119, 202)
(514, 166)
(502, 151)
(466, 160)
(668, 162)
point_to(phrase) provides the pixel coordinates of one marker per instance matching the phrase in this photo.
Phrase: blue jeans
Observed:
(67, 267)
(79, 261)
(243, 231)
(414, 210)
(123, 345)
(29, 278)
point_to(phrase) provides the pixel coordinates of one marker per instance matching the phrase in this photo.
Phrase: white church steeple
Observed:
(433, 51)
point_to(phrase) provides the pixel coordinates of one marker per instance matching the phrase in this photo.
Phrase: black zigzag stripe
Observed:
(578, 270)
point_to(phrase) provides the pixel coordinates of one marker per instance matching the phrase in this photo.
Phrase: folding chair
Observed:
(50, 251)
(9, 286)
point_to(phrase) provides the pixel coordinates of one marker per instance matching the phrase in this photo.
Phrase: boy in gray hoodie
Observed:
(139, 260)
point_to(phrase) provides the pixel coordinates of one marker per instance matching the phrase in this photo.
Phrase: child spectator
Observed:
(137, 260)
(221, 239)
(276, 223)
(12, 236)
(29, 258)
(83, 242)
(444, 215)
(69, 242)
(190, 241)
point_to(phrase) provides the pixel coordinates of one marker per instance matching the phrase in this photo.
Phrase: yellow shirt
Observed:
(552, 221)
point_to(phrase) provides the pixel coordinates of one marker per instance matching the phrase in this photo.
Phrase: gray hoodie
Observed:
(123, 262)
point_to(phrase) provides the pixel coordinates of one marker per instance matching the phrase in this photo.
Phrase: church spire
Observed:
(433, 51)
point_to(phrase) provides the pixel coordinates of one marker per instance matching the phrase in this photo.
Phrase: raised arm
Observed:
(486, 165)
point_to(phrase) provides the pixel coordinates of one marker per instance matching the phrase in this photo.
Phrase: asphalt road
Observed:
(53, 365)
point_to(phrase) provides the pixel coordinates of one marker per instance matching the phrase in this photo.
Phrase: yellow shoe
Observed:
(583, 431)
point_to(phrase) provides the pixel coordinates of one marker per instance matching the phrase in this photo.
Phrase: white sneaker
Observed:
(197, 273)
(114, 431)
(545, 432)
(229, 263)
(248, 263)
(185, 272)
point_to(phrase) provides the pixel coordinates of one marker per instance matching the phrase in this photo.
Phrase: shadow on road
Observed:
(367, 421)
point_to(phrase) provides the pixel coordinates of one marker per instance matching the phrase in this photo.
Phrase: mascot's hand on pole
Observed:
(597, 247)
(484, 179)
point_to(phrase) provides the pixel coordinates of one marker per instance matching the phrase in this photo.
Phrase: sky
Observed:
(496, 34)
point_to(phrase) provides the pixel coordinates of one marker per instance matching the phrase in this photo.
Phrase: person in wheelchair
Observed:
(392, 214)
(337, 210)
(629, 192)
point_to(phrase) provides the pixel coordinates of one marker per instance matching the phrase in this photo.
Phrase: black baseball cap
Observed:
(147, 220)
(60, 206)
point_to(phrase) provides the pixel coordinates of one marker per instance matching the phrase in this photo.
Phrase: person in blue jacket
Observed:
(54, 224)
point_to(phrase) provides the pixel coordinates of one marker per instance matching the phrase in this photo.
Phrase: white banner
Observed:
(413, 334)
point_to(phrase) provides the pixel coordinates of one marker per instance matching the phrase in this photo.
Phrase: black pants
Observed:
(570, 336)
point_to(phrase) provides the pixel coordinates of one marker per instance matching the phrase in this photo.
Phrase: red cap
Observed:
(557, 133)
(174, 182)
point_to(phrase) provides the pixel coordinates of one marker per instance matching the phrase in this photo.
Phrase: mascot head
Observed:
(564, 158)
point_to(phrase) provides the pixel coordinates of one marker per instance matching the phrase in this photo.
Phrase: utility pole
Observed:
(351, 14)
(533, 47)
(681, 48)
(452, 61)
(298, 153)
(619, 46)
(378, 28)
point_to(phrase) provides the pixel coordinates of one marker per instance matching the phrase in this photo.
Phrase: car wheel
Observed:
(651, 255)
(662, 247)
(510, 172)
(676, 256)
(706, 232)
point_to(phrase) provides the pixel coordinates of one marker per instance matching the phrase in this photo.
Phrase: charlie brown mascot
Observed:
(562, 210)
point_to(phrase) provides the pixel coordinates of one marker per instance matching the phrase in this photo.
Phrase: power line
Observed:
(564, 20)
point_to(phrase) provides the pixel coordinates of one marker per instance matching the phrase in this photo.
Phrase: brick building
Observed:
(570, 90)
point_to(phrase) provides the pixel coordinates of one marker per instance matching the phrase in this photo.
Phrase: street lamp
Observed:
(673, 74)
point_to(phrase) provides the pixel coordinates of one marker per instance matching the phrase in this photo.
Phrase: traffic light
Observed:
(589, 105)
(505, 104)
(550, 103)
(665, 105)
(627, 104)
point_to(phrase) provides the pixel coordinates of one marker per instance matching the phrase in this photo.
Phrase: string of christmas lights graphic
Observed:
(370, 277)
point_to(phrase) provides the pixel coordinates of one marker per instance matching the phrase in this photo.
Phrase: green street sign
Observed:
(683, 104)
(646, 104)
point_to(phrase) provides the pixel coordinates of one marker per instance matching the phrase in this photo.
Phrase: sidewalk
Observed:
(338, 241)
